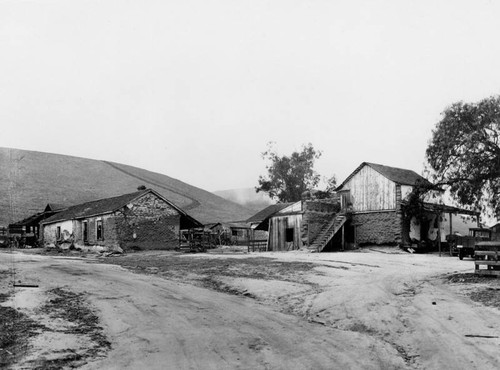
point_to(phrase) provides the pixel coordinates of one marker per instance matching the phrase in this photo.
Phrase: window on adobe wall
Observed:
(289, 234)
(58, 232)
(235, 232)
(99, 230)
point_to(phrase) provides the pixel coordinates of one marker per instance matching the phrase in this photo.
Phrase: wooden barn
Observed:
(377, 196)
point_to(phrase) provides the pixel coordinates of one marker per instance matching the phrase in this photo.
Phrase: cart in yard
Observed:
(197, 240)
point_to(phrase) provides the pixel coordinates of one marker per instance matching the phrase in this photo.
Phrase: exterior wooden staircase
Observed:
(328, 232)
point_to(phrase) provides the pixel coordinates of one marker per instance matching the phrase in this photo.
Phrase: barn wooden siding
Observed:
(370, 191)
(277, 232)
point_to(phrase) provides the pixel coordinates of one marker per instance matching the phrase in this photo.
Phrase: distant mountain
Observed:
(247, 197)
(30, 180)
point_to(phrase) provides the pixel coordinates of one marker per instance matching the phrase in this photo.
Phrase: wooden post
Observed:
(451, 224)
(308, 240)
(439, 232)
(268, 234)
(343, 237)
(355, 236)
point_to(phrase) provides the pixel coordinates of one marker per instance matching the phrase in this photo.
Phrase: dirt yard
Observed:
(377, 308)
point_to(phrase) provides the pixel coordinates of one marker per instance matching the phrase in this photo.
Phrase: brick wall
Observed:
(378, 227)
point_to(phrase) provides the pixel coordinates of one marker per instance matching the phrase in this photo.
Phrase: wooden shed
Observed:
(284, 227)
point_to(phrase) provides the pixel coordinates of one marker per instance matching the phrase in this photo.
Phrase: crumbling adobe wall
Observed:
(148, 223)
(315, 222)
(378, 227)
(317, 213)
(108, 237)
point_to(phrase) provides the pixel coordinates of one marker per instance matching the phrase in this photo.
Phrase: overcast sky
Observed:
(195, 89)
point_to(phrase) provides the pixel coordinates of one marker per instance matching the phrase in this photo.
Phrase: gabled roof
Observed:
(105, 206)
(268, 212)
(54, 207)
(28, 220)
(239, 225)
(398, 175)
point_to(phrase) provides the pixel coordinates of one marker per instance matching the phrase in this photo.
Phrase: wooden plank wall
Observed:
(277, 232)
(370, 191)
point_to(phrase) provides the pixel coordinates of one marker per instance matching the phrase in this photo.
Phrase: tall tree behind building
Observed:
(464, 153)
(288, 176)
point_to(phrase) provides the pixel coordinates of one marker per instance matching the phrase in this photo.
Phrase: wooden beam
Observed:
(343, 237)
(439, 232)
(451, 223)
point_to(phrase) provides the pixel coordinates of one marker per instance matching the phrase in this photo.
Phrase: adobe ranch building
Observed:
(143, 219)
(368, 208)
(377, 196)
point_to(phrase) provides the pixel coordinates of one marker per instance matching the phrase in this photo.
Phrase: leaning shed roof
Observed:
(103, 206)
(398, 175)
(268, 212)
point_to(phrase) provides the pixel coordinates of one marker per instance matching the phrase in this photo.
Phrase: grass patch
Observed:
(487, 290)
(73, 308)
(177, 267)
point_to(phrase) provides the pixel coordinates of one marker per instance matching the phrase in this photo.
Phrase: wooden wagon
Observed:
(486, 258)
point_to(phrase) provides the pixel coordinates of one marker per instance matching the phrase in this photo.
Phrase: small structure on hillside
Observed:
(143, 220)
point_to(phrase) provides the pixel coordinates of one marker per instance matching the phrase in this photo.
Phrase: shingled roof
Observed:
(268, 212)
(104, 206)
(398, 175)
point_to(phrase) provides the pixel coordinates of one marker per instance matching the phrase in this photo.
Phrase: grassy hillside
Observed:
(30, 180)
(247, 197)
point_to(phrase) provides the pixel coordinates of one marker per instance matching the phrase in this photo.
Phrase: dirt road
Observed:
(349, 310)
(154, 323)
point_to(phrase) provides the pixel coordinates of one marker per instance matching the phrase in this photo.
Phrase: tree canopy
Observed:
(464, 153)
(331, 185)
(289, 176)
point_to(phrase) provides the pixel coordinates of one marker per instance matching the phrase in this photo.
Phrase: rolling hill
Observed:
(247, 197)
(31, 179)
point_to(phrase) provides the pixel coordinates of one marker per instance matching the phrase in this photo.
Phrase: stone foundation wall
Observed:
(378, 227)
(317, 213)
(315, 221)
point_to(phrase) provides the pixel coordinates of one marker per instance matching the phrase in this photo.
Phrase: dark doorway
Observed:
(85, 232)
